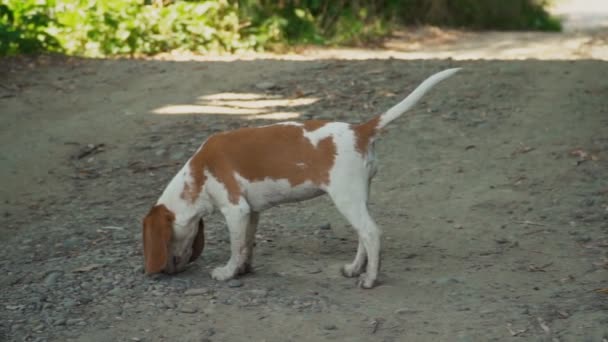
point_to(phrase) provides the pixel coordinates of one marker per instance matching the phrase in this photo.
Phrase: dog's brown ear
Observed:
(157, 232)
(199, 241)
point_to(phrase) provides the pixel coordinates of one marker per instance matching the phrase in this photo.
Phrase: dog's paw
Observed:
(350, 271)
(246, 268)
(223, 273)
(365, 282)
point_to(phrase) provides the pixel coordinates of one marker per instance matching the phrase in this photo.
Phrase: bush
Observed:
(23, 28)
(481, 14)
(127, 27)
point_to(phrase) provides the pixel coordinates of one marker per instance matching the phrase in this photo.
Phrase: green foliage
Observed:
(127, 27)
(23, 28)
(118, 27)
(482, 14)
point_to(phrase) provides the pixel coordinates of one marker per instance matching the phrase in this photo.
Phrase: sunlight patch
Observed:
(252, 106)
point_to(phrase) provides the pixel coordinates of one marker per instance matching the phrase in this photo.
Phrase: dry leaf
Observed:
(515, 332)
(543, 326)
(603, 291)
(87, 268)
(522, 149)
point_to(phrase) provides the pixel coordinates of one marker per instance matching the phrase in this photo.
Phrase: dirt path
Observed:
(492, 194)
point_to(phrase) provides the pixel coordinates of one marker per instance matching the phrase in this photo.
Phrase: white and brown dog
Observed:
(245, 171)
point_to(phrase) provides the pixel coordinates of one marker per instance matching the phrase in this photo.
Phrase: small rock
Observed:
(447, 280)
(325, 226)
(160, 152)
(168, 303)
(138, 269)
(71, 242)
(259, 293)
(265, 85)
(59, 321)
(406, 311)
(188, 309)
(196, 292)
(117, 291)
(51, 278)
(178, 155)
(75, 321)
(235, 283)
(69, 303)
(330, 327)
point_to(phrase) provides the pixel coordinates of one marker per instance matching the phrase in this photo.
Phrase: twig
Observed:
(135, 168)
(112, 228)
(530, 223)
(534, 232)
(543, 326)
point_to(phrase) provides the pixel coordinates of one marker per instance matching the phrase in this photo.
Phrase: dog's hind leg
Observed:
(353, 205)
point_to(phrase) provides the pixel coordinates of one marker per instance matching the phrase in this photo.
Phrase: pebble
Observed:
(405, 311)
(235, 283)
(168, 303)
(59, 321)
(325, 226)
(179, 155)
(330, 327)
(259, 293)
(447, 280)
(69, 303)
(265, 85)
(75, 321)
(188, 309)
(196, 292)
(117, 291)
(52, 277)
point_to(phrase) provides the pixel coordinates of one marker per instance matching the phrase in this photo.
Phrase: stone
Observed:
(265, 85)
(325, 226)
(196, 292)
(188, 309)
(235, 283)
(52, 277)
(406, 311)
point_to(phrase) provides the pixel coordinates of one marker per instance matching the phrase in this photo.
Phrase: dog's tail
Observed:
(409, 102)
(367, 131)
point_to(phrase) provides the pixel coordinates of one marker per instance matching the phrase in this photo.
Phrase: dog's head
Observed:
(166, 249)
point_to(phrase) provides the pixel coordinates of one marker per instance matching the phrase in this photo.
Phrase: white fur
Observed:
(415, 96)
(348, 187)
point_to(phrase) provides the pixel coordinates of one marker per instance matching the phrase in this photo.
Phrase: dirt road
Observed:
(492, 194)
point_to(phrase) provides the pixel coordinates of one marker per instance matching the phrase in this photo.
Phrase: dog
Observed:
(245, 171)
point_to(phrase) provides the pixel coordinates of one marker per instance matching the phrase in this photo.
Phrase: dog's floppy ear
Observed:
(199, 241)
(157, 232)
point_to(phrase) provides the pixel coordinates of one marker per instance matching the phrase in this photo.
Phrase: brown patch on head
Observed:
(199, 242)
(157, 232)
(364, 133)
(256, 153)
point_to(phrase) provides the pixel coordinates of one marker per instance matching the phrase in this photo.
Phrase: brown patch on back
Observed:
(157, 232)
(313, 125)
(256, 153)
(364, 134)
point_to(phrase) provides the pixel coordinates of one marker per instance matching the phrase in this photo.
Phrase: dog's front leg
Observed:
(237, 219)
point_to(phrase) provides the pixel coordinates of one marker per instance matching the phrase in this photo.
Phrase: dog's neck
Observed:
(185, 209)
